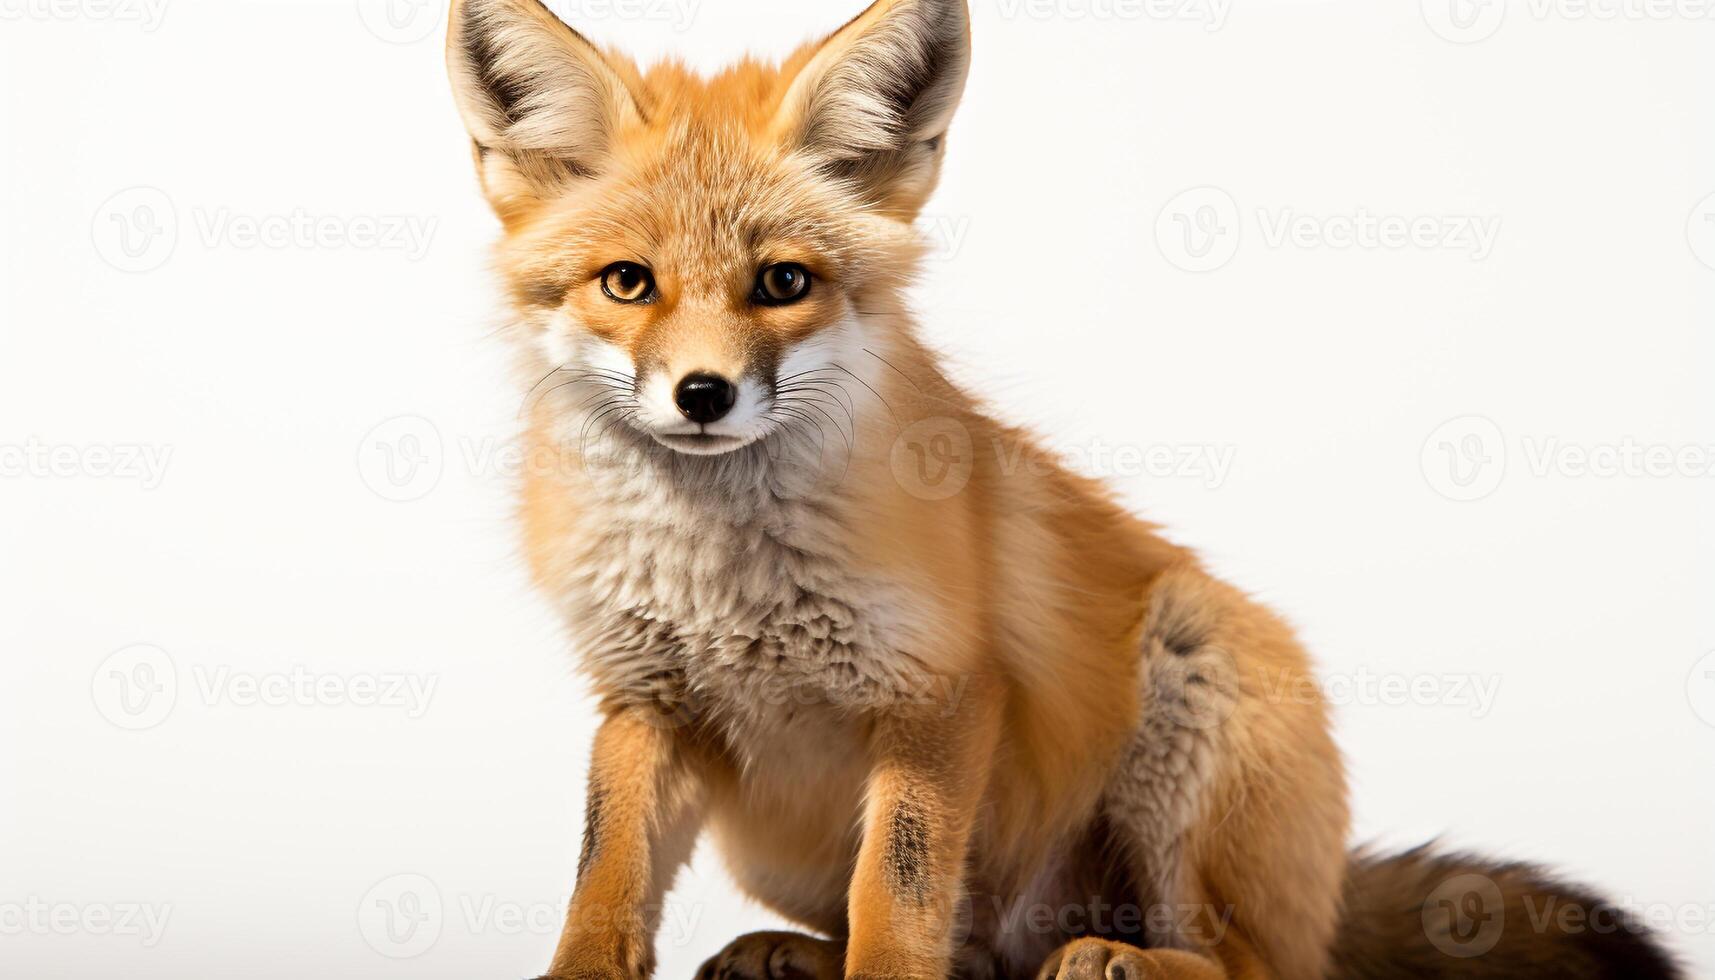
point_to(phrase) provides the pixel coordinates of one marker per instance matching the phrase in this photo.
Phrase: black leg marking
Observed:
(907, 862)
(592, 830)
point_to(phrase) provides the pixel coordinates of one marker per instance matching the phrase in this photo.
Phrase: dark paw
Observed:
(776, 956)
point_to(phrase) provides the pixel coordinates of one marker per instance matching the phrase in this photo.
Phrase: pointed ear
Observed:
(542, 104)
(873, 101)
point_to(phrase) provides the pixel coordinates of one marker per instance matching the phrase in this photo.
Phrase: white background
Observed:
(1358, 390)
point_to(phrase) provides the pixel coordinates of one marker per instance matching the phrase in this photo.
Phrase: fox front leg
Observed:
(931, 770)
(639, 827)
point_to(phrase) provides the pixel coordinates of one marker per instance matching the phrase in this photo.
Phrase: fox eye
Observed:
(781, 284)
(628, 282)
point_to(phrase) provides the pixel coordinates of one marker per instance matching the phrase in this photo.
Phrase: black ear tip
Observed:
(953, 17)
(957, 9)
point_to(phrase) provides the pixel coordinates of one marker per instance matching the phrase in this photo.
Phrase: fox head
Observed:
(704, 258)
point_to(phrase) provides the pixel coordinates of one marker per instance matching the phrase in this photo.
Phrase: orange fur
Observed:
(1000, 688)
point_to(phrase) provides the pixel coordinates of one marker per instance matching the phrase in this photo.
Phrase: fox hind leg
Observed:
(1230, 804)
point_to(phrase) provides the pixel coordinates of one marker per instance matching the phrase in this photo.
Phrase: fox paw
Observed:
(1102, 959)
(776, 956)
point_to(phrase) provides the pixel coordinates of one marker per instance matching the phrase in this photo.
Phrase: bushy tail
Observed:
(1427, 915)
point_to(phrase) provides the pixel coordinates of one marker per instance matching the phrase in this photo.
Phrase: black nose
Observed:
(705, 398)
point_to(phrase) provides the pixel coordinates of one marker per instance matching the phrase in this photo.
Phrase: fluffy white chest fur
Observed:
(707, 587)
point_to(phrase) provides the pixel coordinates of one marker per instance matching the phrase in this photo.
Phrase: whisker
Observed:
(812, 403)
(896, 370)
(831, 386)
(617, 380)
(622, 418)
(607, 391)
(802, 374)
(543, 380)
(600, 410)
(877, 395)
(601, 380)
(821, 435)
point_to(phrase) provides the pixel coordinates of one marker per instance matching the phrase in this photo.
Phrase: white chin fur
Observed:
(697, 445)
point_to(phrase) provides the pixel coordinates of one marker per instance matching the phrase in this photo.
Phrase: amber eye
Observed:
(778, 285)
(628, 282)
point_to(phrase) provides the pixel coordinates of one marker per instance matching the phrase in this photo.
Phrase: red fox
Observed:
(953, 715)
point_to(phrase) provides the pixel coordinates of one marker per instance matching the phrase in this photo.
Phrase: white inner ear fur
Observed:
(890, 78)
(560, 95)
